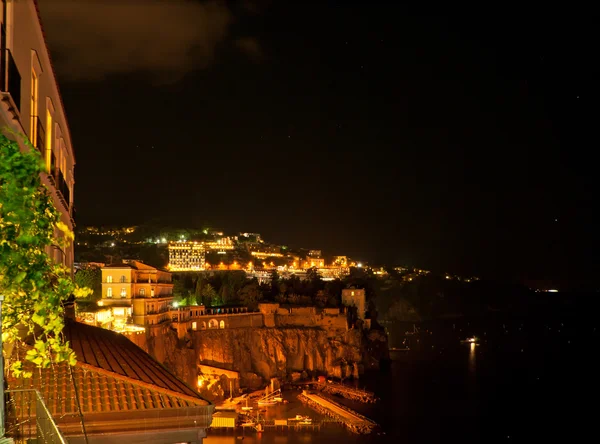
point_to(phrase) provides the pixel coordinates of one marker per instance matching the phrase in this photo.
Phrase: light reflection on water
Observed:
(472, 360)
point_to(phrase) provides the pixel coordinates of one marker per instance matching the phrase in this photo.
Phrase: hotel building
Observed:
(186, 256)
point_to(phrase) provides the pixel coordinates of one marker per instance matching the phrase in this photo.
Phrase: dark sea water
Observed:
(530, 379)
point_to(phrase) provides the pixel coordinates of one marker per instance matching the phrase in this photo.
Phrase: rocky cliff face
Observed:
(263, 353)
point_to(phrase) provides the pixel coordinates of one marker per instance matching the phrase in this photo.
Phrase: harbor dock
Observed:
(347, 392)
(354, 421)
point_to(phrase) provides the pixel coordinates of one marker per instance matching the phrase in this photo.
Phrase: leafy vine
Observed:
(33, 286)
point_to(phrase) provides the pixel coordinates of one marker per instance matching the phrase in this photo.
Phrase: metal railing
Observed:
(28, 417)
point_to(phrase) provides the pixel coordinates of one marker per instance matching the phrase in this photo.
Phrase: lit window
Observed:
(142, 292)
(194, 325)
(352, 293)
(49, 136)
(109, 279)
(34, 108)
(109, 292)
(123, 280)
(123, 292)
(222, 324)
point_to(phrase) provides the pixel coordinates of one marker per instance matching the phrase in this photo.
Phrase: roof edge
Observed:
(147, 385)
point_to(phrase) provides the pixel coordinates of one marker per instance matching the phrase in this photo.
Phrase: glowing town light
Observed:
(112, 244)
(164, 241)
(175, 304)
(553, 291)
(359, 265)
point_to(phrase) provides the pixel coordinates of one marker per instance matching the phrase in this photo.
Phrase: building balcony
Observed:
(63, 191)
(10, 82)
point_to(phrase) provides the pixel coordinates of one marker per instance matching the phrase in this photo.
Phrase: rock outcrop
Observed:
(259, 354)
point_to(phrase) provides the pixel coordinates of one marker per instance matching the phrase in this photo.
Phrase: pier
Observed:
(335, 388)
(354, 421)
(347, 392)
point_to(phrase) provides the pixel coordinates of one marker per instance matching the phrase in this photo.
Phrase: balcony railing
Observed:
(10, 78)
(63, 189)
(28, 418)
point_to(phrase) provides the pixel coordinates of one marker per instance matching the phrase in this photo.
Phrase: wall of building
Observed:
(355, 297)
(27, 47)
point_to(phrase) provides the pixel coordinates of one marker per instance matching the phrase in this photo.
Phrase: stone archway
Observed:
(213, 323)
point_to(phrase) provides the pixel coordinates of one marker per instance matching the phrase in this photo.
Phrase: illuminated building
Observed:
(136, 293)
(186, 256)
(251, 236)
(311, 262)
(265, 254)
(314, 253)
(354, 297)
(221, 244)
(31, 105)
(340, 261)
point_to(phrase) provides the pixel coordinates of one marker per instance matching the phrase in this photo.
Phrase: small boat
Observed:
(248, 424)
(471, 340)
(300, 418)
(267, 402)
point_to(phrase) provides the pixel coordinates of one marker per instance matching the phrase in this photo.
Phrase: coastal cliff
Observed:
(259, 354)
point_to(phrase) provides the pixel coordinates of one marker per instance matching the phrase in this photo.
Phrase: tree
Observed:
(90, 277)
(209, 295)
(250, 295)
(320, 299)
(34, 287)
(274, 283)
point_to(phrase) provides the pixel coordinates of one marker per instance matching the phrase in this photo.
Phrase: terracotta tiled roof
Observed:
(118, 387)
(98, 392)
(106, 351)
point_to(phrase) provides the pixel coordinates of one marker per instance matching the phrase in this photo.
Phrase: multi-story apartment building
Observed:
(31, 105)
(134, 279)
(134, 293)
(186, 256)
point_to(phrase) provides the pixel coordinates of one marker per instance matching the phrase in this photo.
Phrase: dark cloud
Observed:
(93, 38)
(251, 47)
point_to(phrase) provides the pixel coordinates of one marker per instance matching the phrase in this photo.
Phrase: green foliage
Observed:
(250, 295)
(33, 287)
(209, 296)
(91, 278)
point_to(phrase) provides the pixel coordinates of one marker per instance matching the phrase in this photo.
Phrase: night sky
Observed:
(457, 141)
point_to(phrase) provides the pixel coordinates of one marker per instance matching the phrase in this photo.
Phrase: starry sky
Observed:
(457, 141)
